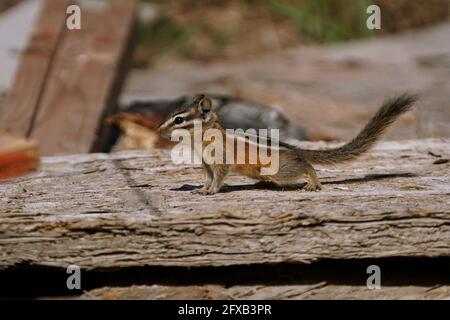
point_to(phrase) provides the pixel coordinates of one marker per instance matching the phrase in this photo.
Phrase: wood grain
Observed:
(137, 209)
(69, 80)
(86, 79)
(321, 290)
(36, 62)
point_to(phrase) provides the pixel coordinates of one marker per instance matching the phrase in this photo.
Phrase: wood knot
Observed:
(199, 231)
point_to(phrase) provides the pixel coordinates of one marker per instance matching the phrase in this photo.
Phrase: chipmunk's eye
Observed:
(178, 120)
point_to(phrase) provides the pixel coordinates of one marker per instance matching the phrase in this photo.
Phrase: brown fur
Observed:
(293, 162)
(384, 117)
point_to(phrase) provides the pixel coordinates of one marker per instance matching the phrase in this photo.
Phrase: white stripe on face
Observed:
(182, 115)
(171, 121)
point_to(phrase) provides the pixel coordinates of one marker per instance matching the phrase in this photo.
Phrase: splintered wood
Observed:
(137, 209)
(69, 80)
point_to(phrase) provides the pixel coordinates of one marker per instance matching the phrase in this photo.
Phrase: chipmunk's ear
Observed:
(203, 103)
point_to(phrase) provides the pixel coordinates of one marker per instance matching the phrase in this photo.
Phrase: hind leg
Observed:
(313, 183)
(292, 170)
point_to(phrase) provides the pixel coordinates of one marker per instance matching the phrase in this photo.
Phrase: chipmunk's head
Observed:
(198, 112)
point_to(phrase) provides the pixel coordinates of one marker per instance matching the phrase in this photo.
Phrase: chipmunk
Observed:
(294, 162)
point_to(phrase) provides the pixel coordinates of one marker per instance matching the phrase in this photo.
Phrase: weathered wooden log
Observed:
(136, 209)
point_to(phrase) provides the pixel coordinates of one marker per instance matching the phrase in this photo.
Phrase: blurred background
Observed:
(208, 31)
(314, 64)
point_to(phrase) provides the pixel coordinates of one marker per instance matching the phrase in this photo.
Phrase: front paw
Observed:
(203, 191)
(312, 187)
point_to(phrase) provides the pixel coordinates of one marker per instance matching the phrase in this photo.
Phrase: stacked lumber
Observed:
(68, 81)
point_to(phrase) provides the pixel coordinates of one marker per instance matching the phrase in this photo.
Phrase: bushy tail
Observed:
(387, 114)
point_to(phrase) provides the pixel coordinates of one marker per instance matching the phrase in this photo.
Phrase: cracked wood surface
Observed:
(321, 290)
(136, 208)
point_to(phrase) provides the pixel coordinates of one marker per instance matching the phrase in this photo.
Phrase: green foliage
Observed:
(164, 37)
(187, 29)
(326, 20)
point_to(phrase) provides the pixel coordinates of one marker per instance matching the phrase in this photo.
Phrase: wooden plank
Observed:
(36, 62)
(17, 157)
(85, 81)
(315, 291)
(136, 209)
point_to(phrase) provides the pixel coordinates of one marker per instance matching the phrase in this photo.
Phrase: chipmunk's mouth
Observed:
(163, 133)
